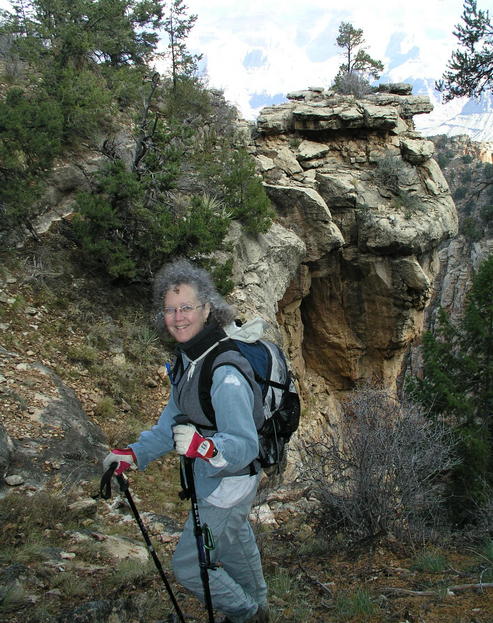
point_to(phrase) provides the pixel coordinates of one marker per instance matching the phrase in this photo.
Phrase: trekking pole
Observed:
(105, 492)
(204, 559)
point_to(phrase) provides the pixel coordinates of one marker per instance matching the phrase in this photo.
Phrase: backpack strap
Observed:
(205, 379)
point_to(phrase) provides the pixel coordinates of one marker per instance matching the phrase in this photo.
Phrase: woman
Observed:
(195, 315)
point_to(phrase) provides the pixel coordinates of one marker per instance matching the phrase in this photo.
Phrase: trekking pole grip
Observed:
(105, 484)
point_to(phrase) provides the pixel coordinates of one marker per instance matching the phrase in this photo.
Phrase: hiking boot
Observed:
(261, 616)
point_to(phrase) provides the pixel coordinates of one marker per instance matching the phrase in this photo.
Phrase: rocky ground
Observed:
(66, 556)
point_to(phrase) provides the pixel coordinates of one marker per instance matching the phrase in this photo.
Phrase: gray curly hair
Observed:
(180, 272)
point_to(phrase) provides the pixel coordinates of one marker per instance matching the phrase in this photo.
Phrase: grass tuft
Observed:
(359, 604)
(430, 561)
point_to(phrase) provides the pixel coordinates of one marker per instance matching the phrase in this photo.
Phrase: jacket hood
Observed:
(251, 331)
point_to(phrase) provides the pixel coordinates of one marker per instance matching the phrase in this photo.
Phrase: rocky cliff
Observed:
(468, 167)
(343, 275)
(362, 211)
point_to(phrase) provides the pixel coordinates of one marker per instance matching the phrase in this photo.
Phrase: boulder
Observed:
(417, 151)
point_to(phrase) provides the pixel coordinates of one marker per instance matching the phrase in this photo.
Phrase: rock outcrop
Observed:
(52, 438)
(362, 210)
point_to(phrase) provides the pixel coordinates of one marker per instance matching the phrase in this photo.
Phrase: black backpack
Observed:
(280, 398)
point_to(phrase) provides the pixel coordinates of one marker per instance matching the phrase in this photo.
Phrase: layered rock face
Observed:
(362, 209)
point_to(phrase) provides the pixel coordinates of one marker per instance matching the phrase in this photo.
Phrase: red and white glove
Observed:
(191, 443)
(125, 459)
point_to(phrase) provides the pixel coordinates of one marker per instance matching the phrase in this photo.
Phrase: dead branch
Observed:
(406, 591)
(465, 587)
(321, 585)
(457, 588)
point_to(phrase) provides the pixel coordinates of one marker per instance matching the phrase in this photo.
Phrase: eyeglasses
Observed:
(184, 309)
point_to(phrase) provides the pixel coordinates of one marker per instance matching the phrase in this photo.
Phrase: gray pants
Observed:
(237, 586)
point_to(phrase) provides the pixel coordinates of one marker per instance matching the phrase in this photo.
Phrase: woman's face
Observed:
(184, 324)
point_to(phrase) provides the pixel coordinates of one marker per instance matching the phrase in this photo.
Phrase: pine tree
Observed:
(457, 387)
(358, 61)
(470, 68)
(177, 24)
(81, 33)
(74, 55)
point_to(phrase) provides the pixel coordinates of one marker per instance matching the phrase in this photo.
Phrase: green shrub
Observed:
(459, 193)
(410, 203)
(118, 380)
(12, 598)
(244, 193)
(84, 354)
(289, 597)
(187, 99)
(486, 213)
(469, 488)
(443, 159)
(103, 335)
(128, 227)
(72, 585)
(351, 84)
(124, 83)
(124, 432)
(105, 408)
(486, 552)
(470, 229)
(388, 172)
(25, 521)
(86, 103)
(221, 274)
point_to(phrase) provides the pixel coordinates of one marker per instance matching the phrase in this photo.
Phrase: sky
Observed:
(257, 51)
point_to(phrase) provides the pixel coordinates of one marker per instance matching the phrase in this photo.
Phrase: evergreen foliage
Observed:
(470, 68)
(87, 62)
(130, 238)
(353, 75)
(31, 129)
(73, 52)
(177, 24)
(243, 193)
(457, 386)
(144, 223)
(54, 34)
